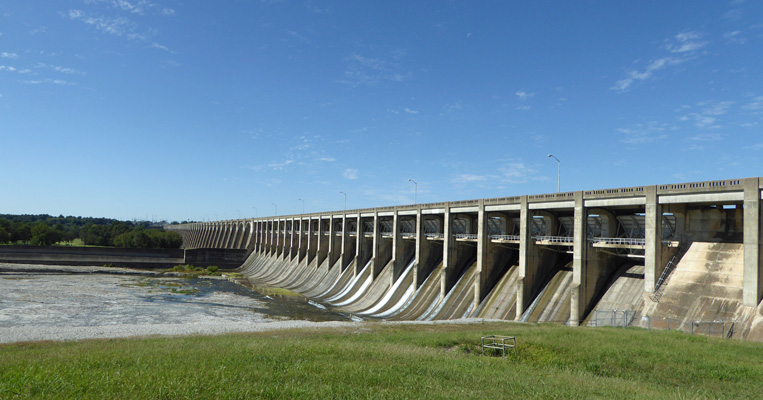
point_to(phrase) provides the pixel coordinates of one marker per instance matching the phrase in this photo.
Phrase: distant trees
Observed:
(5, 227)
(149, 238)
(45, 230)
(44, 235)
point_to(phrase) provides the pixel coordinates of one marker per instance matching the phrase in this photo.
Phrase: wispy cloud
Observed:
(681, 47)
(117, 23)
(12, 56)
(708, 117)
(523, 95)
(350, 173)
(756, 104)
(114, 26)
(370, 71)
(707, 137)
(685, 42)
(468, 178)
(518, 172)
(410, 111)
(48, 81)
(734, 37)
(138, 7)
(58, 68)
(644, 133)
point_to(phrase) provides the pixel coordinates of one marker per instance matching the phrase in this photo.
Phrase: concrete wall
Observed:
(59, 255)
(122, 257)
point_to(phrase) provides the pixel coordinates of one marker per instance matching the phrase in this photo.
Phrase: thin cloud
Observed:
(682, 48)
(643, 133)
(350, 173)
(756, 104)
(468, 178)
(518, 172)
(709, 116)
(409, 111)
(58, 68)
(113, 26)
(48, 81)
(371, 71)
(12, 56)
(685, 42)
(523, 95)
(707, 137)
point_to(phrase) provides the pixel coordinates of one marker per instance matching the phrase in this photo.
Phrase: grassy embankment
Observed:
(377, 361)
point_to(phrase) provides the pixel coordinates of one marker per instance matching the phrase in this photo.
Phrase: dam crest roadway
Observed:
(682, 252)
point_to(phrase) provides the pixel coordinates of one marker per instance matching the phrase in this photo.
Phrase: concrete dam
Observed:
(673, 254)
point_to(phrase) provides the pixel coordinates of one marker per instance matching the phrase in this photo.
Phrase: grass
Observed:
(383, 361)
(191, 271)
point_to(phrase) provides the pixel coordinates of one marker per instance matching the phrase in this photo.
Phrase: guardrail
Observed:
(554, 239)
(504, 237)
(465, 236)
(619, 241)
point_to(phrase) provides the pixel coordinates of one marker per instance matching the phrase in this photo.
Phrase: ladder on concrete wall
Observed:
(659, 288)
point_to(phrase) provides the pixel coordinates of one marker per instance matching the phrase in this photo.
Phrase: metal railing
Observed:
(554, 239)
(619, 241)
(621, 318)
(627, 318)
(435, 235)
(504, 237)
(465, 236)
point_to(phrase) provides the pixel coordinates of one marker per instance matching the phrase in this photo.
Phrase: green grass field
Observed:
(385, 361)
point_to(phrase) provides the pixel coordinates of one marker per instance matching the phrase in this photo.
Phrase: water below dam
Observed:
(77, 302)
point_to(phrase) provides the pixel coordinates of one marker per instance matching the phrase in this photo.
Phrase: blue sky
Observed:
(169, 109)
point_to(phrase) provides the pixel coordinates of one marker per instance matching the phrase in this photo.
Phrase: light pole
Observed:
(415, 191)
(239, 214)
(345, 200)
(274, 205)
(255, 211)
(303, 205)
(558, 173)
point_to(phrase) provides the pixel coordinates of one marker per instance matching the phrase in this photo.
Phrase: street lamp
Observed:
(415, 191)
(303, 205)
(239, 214)
(255, 211)
(274, 205)
(345, 200)
(558, 173)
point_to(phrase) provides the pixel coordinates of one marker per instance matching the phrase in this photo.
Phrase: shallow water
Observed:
(78, 300)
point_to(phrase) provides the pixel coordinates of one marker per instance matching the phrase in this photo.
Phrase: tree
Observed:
(44, 235)
(5, 236)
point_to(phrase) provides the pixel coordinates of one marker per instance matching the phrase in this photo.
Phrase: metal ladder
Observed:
(658, 288)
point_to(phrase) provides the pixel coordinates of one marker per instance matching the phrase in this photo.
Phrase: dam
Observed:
(676, 252)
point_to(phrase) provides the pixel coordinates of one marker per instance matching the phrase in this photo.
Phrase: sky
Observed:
(207, 110)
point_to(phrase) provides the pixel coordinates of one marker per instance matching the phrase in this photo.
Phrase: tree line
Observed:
(46, 230)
